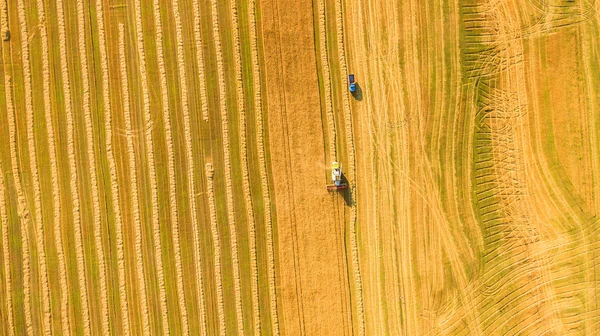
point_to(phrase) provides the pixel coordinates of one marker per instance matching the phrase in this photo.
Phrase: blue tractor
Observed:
(352, 83)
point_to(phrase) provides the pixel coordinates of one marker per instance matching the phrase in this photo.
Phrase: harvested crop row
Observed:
(216, 246)
(200, 58)
(6, 256)
(113, 169)
(38, 220)
(263, 166)
(24, 215)
(244, 165)
(73, 170)
(91, 156)
(153, 180)
(352, 166)
(190, 166)
(134, 185)
(52, 151)
(227, 161)
(327, 81)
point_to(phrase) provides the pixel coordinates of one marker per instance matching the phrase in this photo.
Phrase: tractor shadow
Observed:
(358, 94)
(347, 193)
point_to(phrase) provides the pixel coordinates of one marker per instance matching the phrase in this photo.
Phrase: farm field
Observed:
(164, 167)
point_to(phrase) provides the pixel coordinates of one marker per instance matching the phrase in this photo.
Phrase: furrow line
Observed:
(124, 304)
(21, 202)
(200, 59)
(245, 169)
(97, 222)
(352, 165)
(216, 246)
(79, 250)
(38, 220)
(327, 81)
(263, 166)
(148, 125)
(6, 256)
(227, 162)
(52, 151)
(134, 184)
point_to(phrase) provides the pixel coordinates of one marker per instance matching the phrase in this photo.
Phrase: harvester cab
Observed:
(352, 83)
(336, 178)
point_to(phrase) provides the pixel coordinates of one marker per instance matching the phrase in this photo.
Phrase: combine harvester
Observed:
(336, 178)
(352, 83)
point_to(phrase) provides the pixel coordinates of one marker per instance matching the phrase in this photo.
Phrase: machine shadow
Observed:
(347, 193)
(358, 94)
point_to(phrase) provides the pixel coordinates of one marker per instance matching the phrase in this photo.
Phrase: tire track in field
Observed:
(6, 256)
(52, 148)
(148, 125)
(227, 163)
(352, 166)
(263, 166)
(38, 221)
(91, 156)
(327, 81)
(79, 250)
(134, 184)
(216, 246)
(245, 168)
(124, 304)
(200, 59)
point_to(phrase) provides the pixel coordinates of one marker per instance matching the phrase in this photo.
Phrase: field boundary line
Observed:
(244, 165)
(46, 323)
(148, 125)
(200, 59)
(73, 170)
(216, 246)
(124, 304)
(327, 81)
(134, 184)
(227, 163)
(352, 164)
(6, 254)
(97, 221)
(263, 166)
(63, 279)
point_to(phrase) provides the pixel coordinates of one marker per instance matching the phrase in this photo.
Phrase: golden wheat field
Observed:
(165, 165)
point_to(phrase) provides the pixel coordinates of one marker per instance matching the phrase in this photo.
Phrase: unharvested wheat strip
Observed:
(134, 185)
(6, 253)
(227, 161)
(216, 246)
(62, 266)
(244, 164)
(263, 166)
(38, 220)
(113, 169)
(327, 81)
(79, 251)
(91, 156)
(22, 205)
(152, 171)
(352, 165)
(200, 58)
(190, 166)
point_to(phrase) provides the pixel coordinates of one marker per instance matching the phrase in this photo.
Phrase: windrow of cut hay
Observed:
(24, 215)
(38, 220)
(114, 183)
(148, 123)
(244, 165)
(200, 59)
(134, 185)
(210, 173)
(79, 251)
(327, 81)
(4, 17)
(6, 256)
(52, 151)
(227, 162)
(190, 169)
(263, 165)
(91, 156)
(352, 166)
